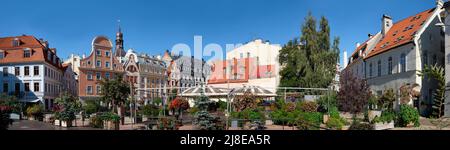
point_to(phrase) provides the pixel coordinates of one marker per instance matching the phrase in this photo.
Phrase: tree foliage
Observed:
(309, 61)
(437, 73)
(68, 106)
(114, 92)
(203, 119)
(354, 93)
(245, 101)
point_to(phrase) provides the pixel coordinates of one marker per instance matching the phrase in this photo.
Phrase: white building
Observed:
(394, 57)
(30, 70)
(252, 64)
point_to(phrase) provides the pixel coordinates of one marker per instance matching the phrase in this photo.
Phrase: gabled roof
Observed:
(401, 32)
(15, 54)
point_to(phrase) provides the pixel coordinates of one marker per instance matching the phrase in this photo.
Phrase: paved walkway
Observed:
(37, 125)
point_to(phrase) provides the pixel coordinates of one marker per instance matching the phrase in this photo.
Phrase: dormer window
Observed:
(16, 42)
(395, 33)
(27, 53)
(2, 54)
(54, 59)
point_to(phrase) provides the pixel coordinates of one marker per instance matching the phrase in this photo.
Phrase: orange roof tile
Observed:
(15, 54)
(401, 33)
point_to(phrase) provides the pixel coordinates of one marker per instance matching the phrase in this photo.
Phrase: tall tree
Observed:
(115, 93)
(310, 61)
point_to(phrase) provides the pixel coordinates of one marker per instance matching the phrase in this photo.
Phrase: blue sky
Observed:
(156, 25)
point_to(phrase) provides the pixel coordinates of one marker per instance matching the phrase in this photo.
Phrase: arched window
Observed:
(402, 62)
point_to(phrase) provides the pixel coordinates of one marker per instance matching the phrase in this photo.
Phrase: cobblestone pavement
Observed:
(37, 125)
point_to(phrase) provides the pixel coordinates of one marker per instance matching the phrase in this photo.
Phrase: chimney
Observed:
(439, 4)
(386, 24)
(345, 59)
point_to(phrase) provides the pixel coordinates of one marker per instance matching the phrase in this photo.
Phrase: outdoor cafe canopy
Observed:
(255, 90)
(209, 91)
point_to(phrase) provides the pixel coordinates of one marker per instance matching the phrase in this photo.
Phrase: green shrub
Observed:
(386, 117)
(91, 106)
(407, 115)
(361, 126)
(193, 110)
(35, 110)
(335, 123)
(327, 102)
(309, 120)
(5, 121)
(279, 117)
(222, 105)
(96, 122)
(150, 110)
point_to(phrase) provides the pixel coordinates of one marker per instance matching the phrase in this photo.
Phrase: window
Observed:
(98, 76)
(89, 75)
(46, 87)
(5, 87)
(17, 88)
(2, 55)
(99, 63)
(242, 55)
(36, 87)
(99, 53)
(49, 55)
(26, 53)
(36, 70)
(17, 71)
(27, 87)
(99, 89)
(107, 64)
(107, 75)
(379, 67)
(5, 71)
(45, 71)
(434, 59)
(425, 58)
(89, 89)
(390, 65)
(402, 62)
(27, 70)
(370, 70)
(107, 53)
(89, 62)
(16, 42)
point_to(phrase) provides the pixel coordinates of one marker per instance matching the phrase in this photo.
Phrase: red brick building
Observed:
(101, 63)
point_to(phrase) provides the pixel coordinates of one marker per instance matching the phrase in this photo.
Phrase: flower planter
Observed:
(48, 118)
(111, 125)
(373, 113)
(384, 126)
(66, 124)
(57, 122)
(32, 118)
(325, 118)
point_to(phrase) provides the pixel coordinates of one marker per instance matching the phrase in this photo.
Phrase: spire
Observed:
(119, 42)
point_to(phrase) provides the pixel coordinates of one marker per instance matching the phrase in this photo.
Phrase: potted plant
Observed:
(110, 121)
(34, 112)
(385, 121)
(57, 121)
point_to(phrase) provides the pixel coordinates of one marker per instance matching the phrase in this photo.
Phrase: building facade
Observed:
(185, 71)
(394, 57)
(101, 63)
(69, 80)
(31, 70)
(146, 74)
(253, 64)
